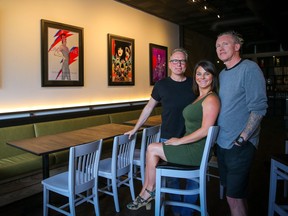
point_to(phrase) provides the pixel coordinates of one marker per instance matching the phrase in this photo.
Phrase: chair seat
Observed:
(105, 167)
(57, 183)
(168, 165)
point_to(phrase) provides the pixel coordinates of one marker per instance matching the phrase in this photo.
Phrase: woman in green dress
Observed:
(188, 150)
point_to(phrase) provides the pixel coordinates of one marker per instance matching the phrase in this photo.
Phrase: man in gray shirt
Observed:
(243, 104)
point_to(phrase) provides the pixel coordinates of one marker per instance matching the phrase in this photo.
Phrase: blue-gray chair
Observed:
(195, 173)
(118, 169)
(149, 135)
(79, 184)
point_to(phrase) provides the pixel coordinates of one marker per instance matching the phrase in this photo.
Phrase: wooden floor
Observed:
(271, 142)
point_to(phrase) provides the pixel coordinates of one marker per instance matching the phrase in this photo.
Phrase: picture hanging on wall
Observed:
(120, 61)
(62, 54)
(158, 62)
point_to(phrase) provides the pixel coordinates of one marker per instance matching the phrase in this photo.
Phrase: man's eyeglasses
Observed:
(176, 61)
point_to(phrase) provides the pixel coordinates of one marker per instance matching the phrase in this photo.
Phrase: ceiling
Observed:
(259, 21)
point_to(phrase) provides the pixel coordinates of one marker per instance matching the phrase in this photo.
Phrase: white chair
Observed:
(149, 135)
(76, 184)
(118, 169)
(213, 165)
(197, 173)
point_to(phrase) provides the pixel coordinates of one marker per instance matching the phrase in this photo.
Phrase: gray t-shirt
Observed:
(242, 91)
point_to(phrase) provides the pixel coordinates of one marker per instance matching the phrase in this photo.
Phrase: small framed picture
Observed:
(120, 61)
(158, 62)
(62, 54)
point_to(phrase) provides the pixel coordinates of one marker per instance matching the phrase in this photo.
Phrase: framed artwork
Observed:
(158, 62)
(61, 54)
(120, 61)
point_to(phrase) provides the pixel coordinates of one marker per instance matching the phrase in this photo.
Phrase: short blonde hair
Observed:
(238, 39)
(182, 50)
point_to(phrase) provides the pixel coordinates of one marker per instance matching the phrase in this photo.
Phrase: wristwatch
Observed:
(240, 140)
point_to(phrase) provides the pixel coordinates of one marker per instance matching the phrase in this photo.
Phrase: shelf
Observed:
(275, 70)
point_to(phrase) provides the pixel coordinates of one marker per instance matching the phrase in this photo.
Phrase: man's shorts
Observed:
(234, 168)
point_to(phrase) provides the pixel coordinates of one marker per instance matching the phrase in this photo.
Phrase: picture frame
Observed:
(61, 54)
(158, 58)
(121, 69)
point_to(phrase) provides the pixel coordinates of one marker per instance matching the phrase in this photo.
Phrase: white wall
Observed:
(20, 52)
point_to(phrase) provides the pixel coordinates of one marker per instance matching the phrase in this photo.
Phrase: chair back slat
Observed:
(122, 157)
(83, 166)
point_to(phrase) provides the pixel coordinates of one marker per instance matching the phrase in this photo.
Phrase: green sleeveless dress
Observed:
(190, 153)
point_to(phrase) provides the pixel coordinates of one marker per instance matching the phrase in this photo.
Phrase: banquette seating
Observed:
(21, 172)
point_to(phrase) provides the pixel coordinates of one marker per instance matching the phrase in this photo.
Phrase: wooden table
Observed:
(151, 121)
(44, 145)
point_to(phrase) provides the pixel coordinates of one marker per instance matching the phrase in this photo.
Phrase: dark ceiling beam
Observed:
(273, 15)
(240, 21)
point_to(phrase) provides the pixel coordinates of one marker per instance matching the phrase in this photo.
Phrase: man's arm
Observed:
(146, 112)
(144, 115)
(253, 123)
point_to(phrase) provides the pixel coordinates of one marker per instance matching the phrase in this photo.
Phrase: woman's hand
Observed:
(172, 141)
(130, 133)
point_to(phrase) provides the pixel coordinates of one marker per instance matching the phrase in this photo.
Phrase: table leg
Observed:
(45, 166)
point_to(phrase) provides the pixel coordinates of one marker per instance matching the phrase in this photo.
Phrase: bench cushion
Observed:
(14, 161)
(121, 117)
(14, 133)
(20, 164)
(59, 126)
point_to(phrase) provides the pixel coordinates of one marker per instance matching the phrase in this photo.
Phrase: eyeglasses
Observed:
(176, 61)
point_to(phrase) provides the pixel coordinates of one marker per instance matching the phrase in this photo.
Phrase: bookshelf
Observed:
(275, 71)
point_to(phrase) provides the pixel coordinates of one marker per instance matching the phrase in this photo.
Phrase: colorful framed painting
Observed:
(158, 62)
(120, 61)
(62, 54)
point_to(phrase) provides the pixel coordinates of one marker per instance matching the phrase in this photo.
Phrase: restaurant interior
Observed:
(36, 102)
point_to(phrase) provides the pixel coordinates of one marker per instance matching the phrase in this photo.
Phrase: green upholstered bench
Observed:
(121, 117)
(59, 126)
(13, 161)
(157, 110)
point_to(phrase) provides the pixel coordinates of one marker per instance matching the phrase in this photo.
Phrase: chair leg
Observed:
(45, 201)
(202, 196)
(272, 189)
(286, 182)
(221, 191)
(115, 194)
(72, 206)
(131, 186)
(158, 193)
(285, 188)
(96, 202)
